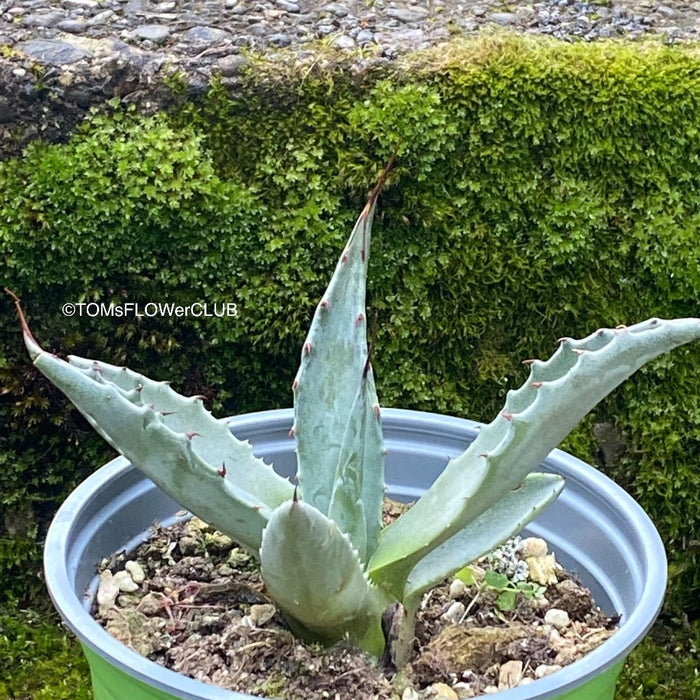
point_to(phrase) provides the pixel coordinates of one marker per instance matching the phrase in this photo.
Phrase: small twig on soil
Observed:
(351, 672)
(252, 645)
(472, 602)
(591, 632)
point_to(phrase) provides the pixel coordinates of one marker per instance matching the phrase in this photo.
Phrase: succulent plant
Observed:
(325, 558)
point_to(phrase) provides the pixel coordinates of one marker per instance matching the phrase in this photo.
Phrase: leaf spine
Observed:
(222, 472)
(370, 350)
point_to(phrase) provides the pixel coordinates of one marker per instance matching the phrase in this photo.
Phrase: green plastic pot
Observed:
(596, 530)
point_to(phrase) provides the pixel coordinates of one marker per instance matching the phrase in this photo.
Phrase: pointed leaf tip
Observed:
(29, 341)
(381, 180)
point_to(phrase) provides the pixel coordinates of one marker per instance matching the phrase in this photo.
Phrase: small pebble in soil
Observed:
(557, 618)
(546, 669)
(125, 583)
(454, 613)
(136, 570)
(457, 588)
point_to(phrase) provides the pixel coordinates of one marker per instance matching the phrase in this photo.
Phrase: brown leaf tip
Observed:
(29, 340)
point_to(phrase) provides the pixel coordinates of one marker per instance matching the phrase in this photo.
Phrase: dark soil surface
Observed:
(191, 600)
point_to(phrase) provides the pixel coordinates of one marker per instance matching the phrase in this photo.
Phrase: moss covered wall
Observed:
(541, 190)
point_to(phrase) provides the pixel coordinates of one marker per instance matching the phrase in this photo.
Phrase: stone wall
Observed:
(58, 59)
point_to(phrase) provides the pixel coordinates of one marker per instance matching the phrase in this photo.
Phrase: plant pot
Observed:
(595, 529)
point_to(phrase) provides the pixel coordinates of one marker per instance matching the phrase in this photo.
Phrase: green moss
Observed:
(39, 660)
(663, 666)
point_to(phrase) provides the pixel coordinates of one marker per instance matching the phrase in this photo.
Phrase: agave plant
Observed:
(324, 556)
